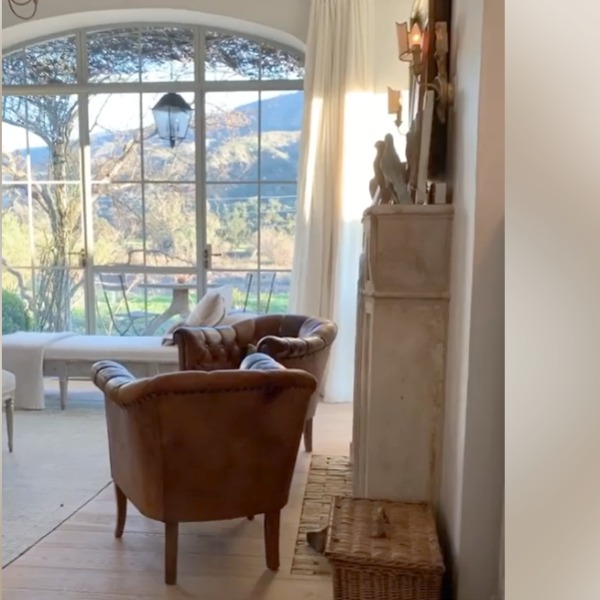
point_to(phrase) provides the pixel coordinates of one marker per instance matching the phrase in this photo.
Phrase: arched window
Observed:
(105, 227)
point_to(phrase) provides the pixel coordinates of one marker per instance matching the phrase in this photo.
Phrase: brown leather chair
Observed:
(204, 446)
(296, 341)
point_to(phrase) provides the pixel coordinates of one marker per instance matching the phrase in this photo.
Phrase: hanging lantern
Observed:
(172, 116)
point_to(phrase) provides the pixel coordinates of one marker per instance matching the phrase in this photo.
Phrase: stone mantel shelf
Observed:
(410, 209)
(405, 295)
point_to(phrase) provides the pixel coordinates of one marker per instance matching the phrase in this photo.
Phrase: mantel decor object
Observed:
(423, 43)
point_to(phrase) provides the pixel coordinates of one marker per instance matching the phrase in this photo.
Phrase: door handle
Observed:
(208, 254)
(82, 257)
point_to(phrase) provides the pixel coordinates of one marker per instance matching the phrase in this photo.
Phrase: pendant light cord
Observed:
(21, 3)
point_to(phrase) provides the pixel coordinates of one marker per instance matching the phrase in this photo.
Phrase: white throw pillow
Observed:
(227, 292)
(209, 311)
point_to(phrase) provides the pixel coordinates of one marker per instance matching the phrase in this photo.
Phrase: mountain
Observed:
(232, 145)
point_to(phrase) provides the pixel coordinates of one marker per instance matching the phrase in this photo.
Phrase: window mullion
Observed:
(200, 164)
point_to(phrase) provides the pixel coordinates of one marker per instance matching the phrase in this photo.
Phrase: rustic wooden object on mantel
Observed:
(400, 353)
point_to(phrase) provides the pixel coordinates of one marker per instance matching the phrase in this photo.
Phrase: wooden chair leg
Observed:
(272, 540)
(9, 408)
(63, 384)
(308, 430)
(121, 511)
(171, 534)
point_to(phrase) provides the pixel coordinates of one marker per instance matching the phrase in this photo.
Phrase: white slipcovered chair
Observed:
(8, 393)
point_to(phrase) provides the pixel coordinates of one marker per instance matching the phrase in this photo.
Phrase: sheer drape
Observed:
(337, 154)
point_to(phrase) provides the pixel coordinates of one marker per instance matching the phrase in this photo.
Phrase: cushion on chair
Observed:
(8, 383)
(120, 348)
(208, 312)
(261, 362)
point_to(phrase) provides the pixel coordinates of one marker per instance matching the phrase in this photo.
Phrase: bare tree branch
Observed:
(23, 290)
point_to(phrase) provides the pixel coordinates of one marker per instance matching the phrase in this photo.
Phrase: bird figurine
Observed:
(378, 187)
(394, 171)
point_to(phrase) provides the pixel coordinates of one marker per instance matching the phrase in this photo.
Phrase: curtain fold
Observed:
(335, 168)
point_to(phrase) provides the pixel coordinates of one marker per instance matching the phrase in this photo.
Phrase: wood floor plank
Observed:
(52, 584)
(81, 559)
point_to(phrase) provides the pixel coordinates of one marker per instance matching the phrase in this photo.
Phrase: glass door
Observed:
(144, 217)
(251, 170)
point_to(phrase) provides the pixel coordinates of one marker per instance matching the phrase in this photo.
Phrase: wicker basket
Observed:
(383, 550)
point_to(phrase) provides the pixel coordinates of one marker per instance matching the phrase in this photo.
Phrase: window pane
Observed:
(13, 68)
(114, 55)
(17, 284)
(244, 284)
(232, 136)
(170, 224)
(167, 54)
(276, 63)
(54, 61)
(121, 306)
(14, 153)
(52, 132)
(161, 162)
(281, 125)
(231, 58)
(170, 299)
(118, 224)
(115, 137)
(16, 247)
(277, 225)
(232, 226)
(57, 243)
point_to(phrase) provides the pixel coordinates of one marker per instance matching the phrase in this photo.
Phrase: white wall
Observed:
(282, 20)
(473, 450)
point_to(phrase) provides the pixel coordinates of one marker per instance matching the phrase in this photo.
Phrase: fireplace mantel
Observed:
(403, 296)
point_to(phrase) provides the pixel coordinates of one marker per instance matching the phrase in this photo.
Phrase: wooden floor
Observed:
(81, 560)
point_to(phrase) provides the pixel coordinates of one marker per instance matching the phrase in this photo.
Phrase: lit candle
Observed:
(416, 36)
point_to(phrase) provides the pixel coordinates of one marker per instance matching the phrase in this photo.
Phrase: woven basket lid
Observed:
(386, 534)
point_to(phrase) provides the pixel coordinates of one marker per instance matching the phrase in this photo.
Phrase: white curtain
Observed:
(336, 165)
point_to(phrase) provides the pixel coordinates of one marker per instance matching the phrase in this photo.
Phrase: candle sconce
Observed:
(410, 46)
(422, 44)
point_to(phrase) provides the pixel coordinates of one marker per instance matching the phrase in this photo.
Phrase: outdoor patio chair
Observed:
(116, 292)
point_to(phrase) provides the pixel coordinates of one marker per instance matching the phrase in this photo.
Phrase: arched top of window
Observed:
(149, 53)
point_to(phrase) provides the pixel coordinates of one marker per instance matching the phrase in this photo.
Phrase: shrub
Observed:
(14, 314)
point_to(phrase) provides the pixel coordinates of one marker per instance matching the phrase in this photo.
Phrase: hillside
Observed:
(232, 147)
